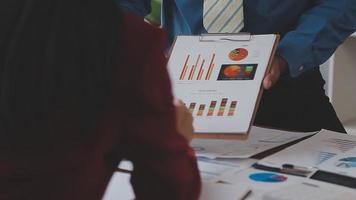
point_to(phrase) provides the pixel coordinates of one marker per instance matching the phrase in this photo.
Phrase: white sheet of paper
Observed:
(313, 151)
(215, 191)
(258, 188)
(212, 169)
(220, 80)
(311, 190)
(344, 164)
(259, 140)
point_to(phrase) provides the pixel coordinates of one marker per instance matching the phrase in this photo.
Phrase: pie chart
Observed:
(268, 177)
(238, 54)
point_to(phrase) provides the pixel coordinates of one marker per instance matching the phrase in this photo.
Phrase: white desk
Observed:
(120, 187)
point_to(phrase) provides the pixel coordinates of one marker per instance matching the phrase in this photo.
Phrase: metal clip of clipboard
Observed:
(217, 37)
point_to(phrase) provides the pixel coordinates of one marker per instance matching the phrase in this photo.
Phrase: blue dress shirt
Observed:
(139, 7)
(311, 30)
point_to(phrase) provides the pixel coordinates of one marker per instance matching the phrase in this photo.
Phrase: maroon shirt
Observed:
(140, 128)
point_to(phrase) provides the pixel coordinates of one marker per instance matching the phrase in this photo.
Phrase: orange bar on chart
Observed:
(191, 73)
(201, 74)
(212, 108)
(201, 110)
(184, 68)
(222, 107)
(210, 67)
(201, 70)
(194, 67)
(232, 108)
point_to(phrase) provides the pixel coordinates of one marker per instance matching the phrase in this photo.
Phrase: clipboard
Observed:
(210, 66)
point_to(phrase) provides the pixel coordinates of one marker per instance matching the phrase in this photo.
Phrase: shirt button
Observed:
(301, 68)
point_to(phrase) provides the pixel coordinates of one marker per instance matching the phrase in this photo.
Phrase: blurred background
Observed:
(339, 73)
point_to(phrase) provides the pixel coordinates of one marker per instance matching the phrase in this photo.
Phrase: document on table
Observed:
(313, 151)
(260, 139)
(213, 170)
(260, 181)
(214, 191)
(344, 164)
(311, 190)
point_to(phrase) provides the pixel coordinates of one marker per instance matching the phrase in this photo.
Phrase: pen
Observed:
(290, 166)
(296, 170)
(248, 193)
(286, 169)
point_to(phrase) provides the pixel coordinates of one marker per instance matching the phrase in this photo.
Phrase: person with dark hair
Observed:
(80, 90)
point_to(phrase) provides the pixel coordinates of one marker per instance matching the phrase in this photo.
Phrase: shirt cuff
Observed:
(296, 56)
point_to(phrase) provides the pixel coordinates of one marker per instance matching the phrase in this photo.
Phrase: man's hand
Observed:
(184, 120)
(279, 66)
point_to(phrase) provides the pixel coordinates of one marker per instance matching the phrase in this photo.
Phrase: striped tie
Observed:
(223, 16)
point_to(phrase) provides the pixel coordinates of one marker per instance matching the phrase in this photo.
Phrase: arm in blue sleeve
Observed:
(139, 7)
(319, 32)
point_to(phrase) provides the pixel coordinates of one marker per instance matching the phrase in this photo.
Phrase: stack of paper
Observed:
(260, 140)
(314, 151)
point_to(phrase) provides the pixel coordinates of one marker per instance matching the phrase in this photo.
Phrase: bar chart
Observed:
(197, 68)
(225, 108)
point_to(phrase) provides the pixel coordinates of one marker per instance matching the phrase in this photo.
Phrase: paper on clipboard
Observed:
(219, 79)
